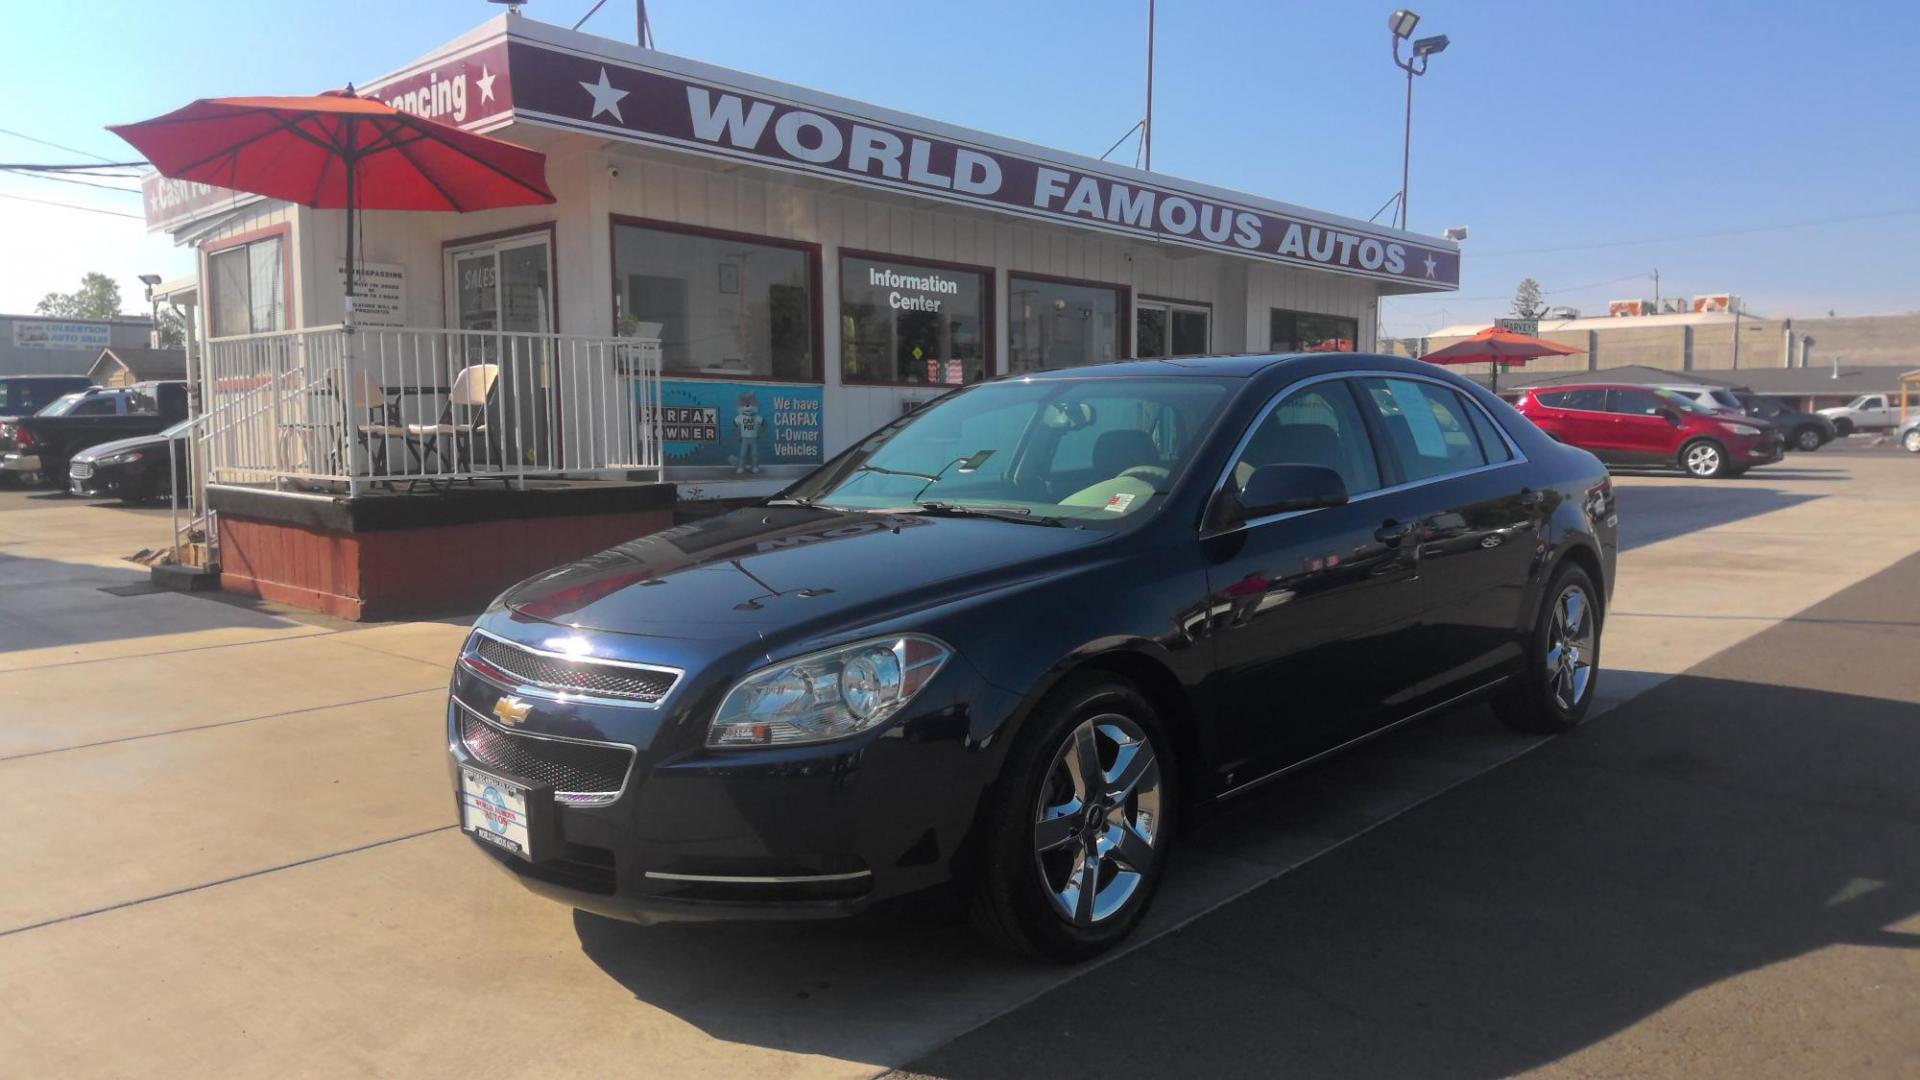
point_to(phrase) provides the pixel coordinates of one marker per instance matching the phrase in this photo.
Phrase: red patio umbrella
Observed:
(1497, 347)
(337, 151)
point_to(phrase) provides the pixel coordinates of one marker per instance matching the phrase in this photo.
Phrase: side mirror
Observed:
(1673, 417)
(1279, 489)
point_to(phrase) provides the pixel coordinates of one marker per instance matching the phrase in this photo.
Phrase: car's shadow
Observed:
(1649, 514)
(1569, 896)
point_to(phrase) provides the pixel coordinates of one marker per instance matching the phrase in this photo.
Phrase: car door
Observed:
(1643, 429)
(1311, 612)
(1475, 521)
(1586, 422)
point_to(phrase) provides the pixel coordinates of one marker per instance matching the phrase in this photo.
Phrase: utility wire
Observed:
(69, 149)
(72, 206)
(590, 13)
(1705, 235)
(1116, 143)
(34, 175)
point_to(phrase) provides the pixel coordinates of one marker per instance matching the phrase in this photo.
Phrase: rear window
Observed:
(1590, 398)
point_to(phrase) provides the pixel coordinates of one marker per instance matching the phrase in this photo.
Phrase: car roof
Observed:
(1232, 366)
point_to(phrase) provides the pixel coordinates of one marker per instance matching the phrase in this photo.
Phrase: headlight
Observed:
(1742, 429)
(124, 458)
(827, 695)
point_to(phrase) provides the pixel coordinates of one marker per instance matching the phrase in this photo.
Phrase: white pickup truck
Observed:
(1868, 412)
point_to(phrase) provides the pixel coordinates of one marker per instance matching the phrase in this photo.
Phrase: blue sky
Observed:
(1562, 134)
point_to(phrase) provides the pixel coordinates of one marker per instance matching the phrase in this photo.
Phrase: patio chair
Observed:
(464, 418)
(368, 414)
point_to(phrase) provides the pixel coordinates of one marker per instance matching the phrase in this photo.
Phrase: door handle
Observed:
(1392, 532)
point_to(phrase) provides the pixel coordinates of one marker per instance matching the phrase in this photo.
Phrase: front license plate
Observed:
(495, 810)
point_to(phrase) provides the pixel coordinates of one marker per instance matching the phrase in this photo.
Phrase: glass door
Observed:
(502, 301)
(1164, 328)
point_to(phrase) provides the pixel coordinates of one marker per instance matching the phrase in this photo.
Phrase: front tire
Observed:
(1808, 439)
(1704, 459)
(1842, 427)
(1563, 659)
(1080, 825)
(1911, 441)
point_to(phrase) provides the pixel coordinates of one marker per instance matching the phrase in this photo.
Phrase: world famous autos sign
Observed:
(573, 89)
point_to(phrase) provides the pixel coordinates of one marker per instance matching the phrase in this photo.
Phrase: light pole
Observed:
(153, 309)
(1402, 22)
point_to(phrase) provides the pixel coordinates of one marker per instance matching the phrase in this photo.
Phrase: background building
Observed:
(36, 345)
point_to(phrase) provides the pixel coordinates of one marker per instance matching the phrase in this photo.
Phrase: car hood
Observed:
(766, 569)
(118, 446)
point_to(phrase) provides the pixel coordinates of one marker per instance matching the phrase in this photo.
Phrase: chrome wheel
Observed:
(1912, 441)
(1570, 638)
(1097, 819)
(1809, 439)
(1703, 459)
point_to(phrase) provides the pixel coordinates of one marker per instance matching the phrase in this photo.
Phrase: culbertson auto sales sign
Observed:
(581, 83)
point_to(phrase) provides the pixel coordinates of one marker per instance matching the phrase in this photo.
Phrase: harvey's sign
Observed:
(644, 105)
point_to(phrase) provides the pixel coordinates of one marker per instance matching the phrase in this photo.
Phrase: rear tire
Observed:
(1044, 823)
(1808, 439)
(1563, 659)
(1704, 459)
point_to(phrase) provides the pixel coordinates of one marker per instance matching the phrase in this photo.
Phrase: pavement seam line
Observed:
(224, 881)
(171, 652)
(217, 724)
(438, 665)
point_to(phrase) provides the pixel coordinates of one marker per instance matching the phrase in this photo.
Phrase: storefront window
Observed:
(1055, 324)
(249, 294)
(911, 323)
(1300, 331)
(1163, 328)
(726, 306)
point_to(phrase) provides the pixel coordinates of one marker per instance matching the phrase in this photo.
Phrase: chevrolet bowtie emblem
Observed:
(511, 710)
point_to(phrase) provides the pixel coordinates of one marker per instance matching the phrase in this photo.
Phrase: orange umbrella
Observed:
(1498, 347)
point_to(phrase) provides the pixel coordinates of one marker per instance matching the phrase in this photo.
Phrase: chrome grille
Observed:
(598, 679)
(80, 470)
(579, 772)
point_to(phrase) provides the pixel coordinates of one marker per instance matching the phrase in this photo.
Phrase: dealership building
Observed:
(810, 267)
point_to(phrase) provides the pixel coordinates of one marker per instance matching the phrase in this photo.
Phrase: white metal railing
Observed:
(350, 407)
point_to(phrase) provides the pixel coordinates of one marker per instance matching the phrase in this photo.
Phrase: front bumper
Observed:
(779, 833)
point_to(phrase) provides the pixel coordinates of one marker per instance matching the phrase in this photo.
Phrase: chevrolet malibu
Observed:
(1015, 642)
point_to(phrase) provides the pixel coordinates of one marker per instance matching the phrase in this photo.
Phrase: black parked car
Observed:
(1016, 639)
(22, 396)
(1803, 430)
(133, 470)
(41, 445)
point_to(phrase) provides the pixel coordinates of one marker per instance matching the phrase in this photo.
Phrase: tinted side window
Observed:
(1633, 403)
(1491, 444)
(104, 405)
(1315, 425)
(1427, 427)
(1590, 399)
(1552, 399)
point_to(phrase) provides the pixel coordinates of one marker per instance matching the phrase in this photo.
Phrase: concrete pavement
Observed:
(264, 877)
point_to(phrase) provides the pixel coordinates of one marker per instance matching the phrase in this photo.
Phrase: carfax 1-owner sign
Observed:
(741, 426)
(649, 105)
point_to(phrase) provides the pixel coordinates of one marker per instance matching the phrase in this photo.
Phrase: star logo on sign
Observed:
(1430, 265)
(485, 83)
(605, 98)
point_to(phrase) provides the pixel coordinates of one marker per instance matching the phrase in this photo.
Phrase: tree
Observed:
(1528, 301)
(173, 335)
(98, 297)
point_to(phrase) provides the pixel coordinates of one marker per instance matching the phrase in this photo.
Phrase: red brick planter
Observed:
(396, 556)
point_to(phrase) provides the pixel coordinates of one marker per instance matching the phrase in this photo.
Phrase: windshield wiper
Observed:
(1021, 514)
(892, 472)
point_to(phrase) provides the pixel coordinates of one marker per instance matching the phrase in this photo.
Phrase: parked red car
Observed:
(1635, 425)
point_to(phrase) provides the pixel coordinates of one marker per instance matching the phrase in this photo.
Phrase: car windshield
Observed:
(1082, 451)
(1683, 403)
(61, 405)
